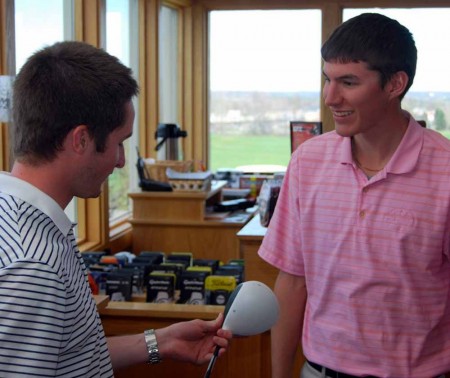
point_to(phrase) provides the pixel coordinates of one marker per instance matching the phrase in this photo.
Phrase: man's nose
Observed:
(331, 94)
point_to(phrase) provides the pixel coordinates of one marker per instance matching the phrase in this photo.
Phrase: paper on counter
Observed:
(174, 175)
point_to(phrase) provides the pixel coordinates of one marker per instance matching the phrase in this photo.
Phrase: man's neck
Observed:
(372, 151)
(45, 177)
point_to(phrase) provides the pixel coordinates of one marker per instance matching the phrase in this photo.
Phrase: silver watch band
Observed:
(152, 346)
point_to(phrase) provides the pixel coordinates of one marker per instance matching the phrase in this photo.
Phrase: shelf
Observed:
(161, 310)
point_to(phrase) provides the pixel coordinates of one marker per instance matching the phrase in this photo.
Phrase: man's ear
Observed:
(80, 138)
(398, 83)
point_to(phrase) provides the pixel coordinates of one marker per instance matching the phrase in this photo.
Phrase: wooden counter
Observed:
(177, 205)
(101, 301)
(247, 357)
(178, 222)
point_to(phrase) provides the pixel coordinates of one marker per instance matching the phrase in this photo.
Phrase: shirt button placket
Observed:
(362, 211)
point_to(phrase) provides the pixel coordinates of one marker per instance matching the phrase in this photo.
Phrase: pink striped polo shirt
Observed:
(374, 253)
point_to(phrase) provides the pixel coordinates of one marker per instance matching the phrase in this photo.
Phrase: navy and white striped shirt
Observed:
(49, 324)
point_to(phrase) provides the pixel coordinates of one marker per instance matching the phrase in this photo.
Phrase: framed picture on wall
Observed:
(303, 130)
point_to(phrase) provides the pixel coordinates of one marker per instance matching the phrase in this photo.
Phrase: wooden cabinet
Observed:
(179, 222)
(247, 357)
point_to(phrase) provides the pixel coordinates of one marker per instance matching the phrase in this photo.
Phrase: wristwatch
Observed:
(152, 346)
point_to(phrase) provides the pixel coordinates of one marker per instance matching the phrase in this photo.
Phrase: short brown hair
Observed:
(383, 43)
(63, 86)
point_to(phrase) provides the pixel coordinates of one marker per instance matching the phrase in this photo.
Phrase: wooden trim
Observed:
(199, 134)
(87, 21)
(8, 37)
(148, 75)
(163, 310)
(3, 37)
(7, 67)
(331, 19)
(94, 223)
(176, 3)
(82, 221)
(121, 238)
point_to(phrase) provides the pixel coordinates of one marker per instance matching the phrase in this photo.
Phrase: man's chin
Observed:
(90, 195)
(344, 131)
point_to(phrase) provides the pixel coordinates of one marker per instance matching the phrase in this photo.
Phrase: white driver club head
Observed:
(251, 309)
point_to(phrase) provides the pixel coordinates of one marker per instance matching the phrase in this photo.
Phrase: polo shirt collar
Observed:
(21, 189)
(407, 153)
(405, 156)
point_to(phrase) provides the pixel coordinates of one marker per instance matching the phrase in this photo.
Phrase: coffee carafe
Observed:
(168, 133)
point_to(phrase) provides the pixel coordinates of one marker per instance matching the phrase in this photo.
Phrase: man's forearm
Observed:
(127, 350)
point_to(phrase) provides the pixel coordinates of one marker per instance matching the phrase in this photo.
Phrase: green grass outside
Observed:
(232, 151)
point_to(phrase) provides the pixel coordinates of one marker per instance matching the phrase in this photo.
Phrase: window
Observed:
(265, 71)
(31, 34)
(121, 41)
(168, 65)
(168, 69)
(429, 97)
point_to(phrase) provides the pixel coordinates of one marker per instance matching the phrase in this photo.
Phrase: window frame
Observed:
(7, 64)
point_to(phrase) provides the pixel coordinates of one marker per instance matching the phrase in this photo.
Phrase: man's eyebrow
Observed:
(348, 76)
(343, 77)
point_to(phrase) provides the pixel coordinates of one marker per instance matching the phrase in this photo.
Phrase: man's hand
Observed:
(193, 341)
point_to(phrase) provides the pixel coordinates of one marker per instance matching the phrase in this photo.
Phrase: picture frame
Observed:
(303, 130)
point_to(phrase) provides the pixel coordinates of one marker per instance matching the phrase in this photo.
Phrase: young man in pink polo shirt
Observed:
(361, 229)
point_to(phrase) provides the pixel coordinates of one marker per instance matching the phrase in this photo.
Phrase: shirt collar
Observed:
(407, 153)
(405, 156)
(21, 189)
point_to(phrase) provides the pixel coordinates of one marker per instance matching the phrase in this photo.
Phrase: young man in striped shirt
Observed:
(72, 113)
(361, 229)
